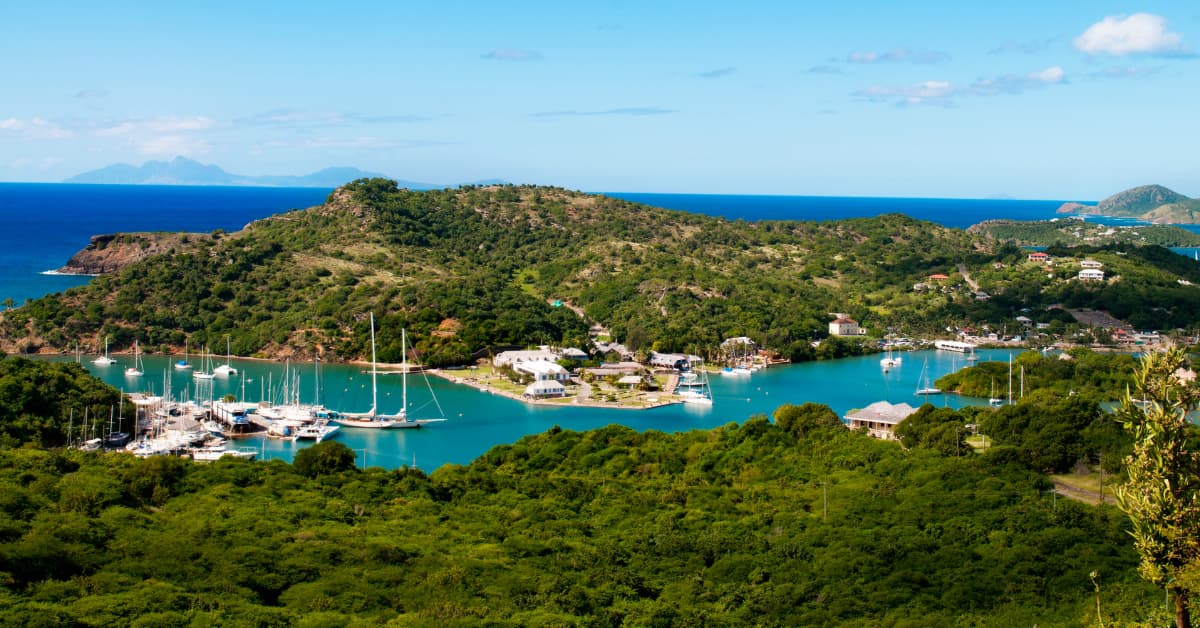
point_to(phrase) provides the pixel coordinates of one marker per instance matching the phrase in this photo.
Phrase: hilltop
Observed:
(470, 269)
(1152, 203)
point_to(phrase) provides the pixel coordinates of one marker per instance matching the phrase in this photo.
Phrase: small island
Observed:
(1151, 203)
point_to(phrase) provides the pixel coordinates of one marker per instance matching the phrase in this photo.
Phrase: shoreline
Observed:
(541, 402)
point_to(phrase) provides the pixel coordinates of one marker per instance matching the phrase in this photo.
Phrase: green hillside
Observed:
(474, 268)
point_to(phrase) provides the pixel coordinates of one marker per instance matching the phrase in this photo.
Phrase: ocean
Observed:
(43, 224)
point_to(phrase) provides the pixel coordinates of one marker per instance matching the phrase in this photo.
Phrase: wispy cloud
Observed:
(944, 93)
(717, 73)
(512, 54)
(365, 142)
(1015, 84)
(825, 69)
(171, 145)
(625, 111)
(155, 125)
(34, 129)
(1024, 47)
(30, 163)
(898, 55)
(1140, 33)
(924, 93)
(1126, 72)
(300, 118)
(91, 92)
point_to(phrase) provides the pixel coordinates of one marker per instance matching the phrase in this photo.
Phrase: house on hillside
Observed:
(879, 419)
(1091, 263)
(844, 326)
(1091, 274)
(939, 277)
(1039, 257)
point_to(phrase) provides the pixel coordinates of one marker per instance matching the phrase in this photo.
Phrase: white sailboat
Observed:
(994, 400)
(890, 361)
(104, 360)
(924, 387)
(205, 371)
(702, 396)
(184, 365)
(136, 369)
(372, 418)
(226, 369)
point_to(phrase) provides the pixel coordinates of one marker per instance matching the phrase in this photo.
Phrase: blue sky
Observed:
(1072, 100)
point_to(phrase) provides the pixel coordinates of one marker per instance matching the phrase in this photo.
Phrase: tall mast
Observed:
(404, 377)
(374, 370)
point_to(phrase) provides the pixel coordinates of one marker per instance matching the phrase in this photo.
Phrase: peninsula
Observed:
(1151, 203)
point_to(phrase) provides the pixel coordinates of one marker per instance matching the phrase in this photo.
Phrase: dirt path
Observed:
(1082, 494)
(962, 270)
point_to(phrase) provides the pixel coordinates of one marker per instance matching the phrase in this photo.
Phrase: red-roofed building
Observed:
(938, 277)
(843, 326)
(1039, 257)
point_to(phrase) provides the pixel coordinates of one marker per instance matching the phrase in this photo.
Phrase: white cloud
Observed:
(29, 163)
(943, 92)
(157, 124)
(897, 55)
(172, 145)
(35, 129)
(1138, 33)
(924, 93)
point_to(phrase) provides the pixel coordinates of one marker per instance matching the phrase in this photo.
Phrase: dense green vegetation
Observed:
(39, 401)
(750, 524)
(1091, 374)
(1060, 232)
(472, 269)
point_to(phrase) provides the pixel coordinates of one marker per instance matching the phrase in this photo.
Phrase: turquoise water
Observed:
(478, 421)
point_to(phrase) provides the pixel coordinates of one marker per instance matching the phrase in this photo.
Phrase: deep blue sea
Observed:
(950, 212)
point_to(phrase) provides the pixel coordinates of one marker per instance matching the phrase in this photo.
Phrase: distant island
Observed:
(184, 171)
(1152, 203)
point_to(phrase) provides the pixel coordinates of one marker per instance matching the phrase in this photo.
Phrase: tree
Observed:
(802, 420)
(323, 458)
(1162, 492)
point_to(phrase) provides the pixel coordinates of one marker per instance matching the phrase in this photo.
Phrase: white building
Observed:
(1091, 263)
(843, 326)
(542, 370)
(512, 358)
(545, 388)
(1091, 274)
(879, 419)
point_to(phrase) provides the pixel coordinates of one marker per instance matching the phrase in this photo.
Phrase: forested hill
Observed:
(477, 265)
(471, 268)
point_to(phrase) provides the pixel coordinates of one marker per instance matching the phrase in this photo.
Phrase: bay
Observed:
(477, 421)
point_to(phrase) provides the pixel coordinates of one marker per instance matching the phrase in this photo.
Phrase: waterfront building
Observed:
(542, 370)
(546, 388)
(512, 358)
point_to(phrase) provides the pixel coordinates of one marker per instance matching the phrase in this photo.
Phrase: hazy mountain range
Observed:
(183, 171)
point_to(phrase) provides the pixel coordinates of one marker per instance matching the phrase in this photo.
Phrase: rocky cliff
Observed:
(112, 252)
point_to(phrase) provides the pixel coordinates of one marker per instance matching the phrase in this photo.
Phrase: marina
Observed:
(478, 420)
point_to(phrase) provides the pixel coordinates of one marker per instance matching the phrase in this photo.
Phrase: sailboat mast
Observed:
(404, 376)
(374, 370)
(1010, 379)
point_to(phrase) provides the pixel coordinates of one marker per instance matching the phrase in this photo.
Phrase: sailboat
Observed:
(183, 365)
(104, 360)
(226, 369)
(136, 369)
(703, 396)
(372, 418)
(994, 400)
(206, 369)
(889, 360)
(925, 388)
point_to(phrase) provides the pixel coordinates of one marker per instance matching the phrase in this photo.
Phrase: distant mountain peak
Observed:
(1152, 203)
(183, 171)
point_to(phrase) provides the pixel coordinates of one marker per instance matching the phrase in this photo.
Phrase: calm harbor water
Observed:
(477, 421)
